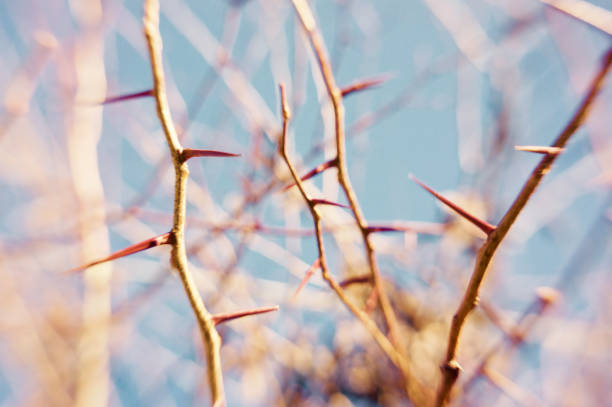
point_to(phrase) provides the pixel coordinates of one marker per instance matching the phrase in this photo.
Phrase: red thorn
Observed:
(307, 276)
(355, 280)
(363, 85)
(121, 98)
(415, 227)
(138, 247)
(228, 316)
(316, 170)
(190, 153)
(540, 149)
(326, 202)
(481, 224)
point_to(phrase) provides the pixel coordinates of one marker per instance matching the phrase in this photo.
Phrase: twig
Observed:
(380, 338)
(211, 339)
(516, 334)
(335, 94)
(511, 389)
(451, 368)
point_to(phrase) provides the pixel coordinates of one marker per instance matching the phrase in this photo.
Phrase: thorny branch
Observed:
(380, 338)
(335, 94)
(212, 341)
(414, 390)
(451, 367)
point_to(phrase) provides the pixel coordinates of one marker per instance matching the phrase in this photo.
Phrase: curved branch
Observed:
(211, 339)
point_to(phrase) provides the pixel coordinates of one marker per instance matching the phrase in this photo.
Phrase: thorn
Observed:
(415, 227)
(228, 316)
(307, 276)
(326, 202)
(481, 224)
(138, 247)
(540, 149)
(317, 170)
(190, 153)
(122, 98)
(364, 85)
(355, 280)
(285, 110)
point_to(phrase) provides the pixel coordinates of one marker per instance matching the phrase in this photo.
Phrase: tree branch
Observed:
(451, 367)
(211, 339)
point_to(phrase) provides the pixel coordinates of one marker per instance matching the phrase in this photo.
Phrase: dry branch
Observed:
(335, 94)
(451, 368)
(369, 324)
(211, 339)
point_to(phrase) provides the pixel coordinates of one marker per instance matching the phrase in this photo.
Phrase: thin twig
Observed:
(335, 94)
(369, 324)
(451, 368)
(211, 339)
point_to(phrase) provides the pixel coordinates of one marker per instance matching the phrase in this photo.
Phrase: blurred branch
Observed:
(584, 11)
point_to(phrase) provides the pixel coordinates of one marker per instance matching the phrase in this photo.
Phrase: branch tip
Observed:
(285, 111)
(548, 295)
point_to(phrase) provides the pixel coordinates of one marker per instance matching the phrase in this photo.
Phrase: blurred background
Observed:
(464, 82)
